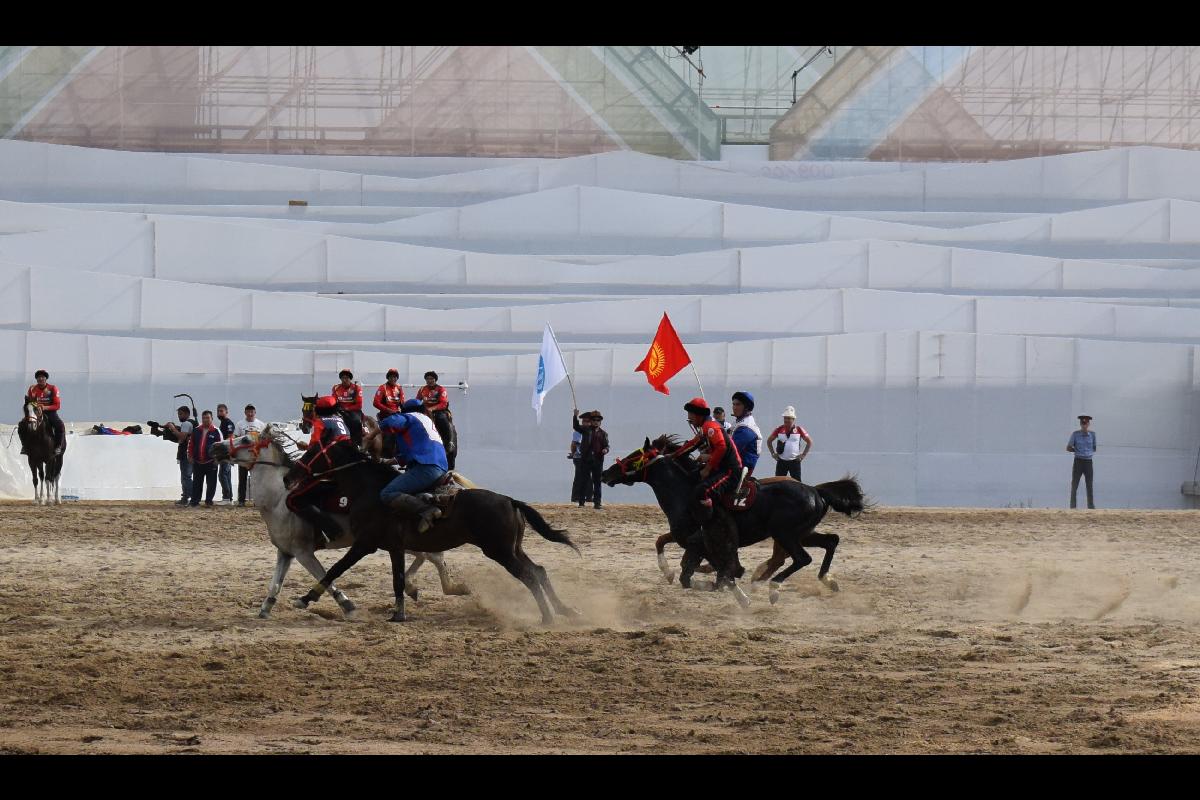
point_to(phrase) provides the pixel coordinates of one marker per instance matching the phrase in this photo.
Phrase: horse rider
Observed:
(389, 397)
(304, 499)
(420, 448)
(747, 438)
(437, 406)
(348, 395)
(722, 466)
(50, 401)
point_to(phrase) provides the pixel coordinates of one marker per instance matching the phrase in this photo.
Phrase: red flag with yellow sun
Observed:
(666, 357)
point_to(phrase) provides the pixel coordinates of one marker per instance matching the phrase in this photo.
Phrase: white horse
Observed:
(294, 537)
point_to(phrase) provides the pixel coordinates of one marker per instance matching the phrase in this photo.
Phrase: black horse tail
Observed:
(541, 526)
(845, 496)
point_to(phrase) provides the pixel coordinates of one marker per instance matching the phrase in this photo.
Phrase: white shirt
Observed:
(248, 427)
(748, 422)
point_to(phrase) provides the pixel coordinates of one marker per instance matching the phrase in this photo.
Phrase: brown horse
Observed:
(38, 440)
(492, 522)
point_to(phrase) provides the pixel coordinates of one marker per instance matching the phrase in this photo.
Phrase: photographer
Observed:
(179, 433)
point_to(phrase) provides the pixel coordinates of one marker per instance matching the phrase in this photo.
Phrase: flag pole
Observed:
(697, 374)
(567, 372)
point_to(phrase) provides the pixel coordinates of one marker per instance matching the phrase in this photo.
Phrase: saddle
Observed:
(735, 502)
(442, 493)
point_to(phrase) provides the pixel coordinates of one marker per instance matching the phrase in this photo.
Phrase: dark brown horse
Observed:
(38, 440)
(492, 522)
(787, 511)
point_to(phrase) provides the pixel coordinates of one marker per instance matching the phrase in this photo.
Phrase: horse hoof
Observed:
(670, 576)
(299, 602)
(397, 616)
(830, 582)
(348, 607)
(773, 593)
(740, 594)
(413, 594)
(458, 590)
(572, 613)
(264, 614)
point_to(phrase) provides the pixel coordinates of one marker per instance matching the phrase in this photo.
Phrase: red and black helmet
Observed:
(697, 405)
(326, 404)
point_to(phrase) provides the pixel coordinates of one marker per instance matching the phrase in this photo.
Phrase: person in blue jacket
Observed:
(747, 438)
(418, 447)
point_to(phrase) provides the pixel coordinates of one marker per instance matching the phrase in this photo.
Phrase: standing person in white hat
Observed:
(784, 445)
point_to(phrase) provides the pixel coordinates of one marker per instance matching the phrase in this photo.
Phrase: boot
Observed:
(424, 512)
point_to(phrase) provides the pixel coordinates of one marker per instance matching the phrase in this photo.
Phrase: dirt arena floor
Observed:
(131, 628)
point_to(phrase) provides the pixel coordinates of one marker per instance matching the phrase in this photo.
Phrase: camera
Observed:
(158, 430)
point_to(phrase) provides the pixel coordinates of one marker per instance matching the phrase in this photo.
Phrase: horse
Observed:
(785, 510)
(40, 444)
(493, 522)
(293, 537)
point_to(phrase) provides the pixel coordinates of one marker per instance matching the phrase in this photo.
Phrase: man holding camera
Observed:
(179, 433)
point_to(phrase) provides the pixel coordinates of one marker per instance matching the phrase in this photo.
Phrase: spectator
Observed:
(349, 399)
(574, 455)
(719, 417)
(183, 433)
(250, 426)
(204, 469)
(1083, 444)
(786, 451)
(747, 438)
(226, 426)
(389, 397)
(593, 447)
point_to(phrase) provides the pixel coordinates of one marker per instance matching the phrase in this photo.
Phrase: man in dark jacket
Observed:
(592, 449)
(204, 468)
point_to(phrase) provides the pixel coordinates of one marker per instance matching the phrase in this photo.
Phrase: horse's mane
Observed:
(280, 439)
(667, 443)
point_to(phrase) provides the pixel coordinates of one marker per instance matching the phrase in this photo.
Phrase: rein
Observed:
(262, 444)
(645, 459)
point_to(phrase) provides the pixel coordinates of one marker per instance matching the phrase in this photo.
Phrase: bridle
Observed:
(641, 464)
(256, 447)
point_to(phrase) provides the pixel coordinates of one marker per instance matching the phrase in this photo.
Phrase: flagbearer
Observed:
(722, 466)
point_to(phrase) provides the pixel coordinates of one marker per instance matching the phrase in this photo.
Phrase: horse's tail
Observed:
(845, 496)
(541, 526)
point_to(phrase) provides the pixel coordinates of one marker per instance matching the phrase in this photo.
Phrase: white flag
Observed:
(551, 370)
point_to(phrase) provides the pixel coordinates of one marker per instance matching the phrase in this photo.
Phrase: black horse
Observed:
(785, 510)
(492, 522)
(39, 442)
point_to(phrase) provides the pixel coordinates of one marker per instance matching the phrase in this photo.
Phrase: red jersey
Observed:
(713, 438)
(435, 399)
(349, 398)
(328, 429)
(389, 398)
(48, 398)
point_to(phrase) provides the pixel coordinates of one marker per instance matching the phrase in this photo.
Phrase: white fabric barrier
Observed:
(99, 467)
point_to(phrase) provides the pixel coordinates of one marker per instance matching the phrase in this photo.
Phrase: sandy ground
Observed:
(130, 628)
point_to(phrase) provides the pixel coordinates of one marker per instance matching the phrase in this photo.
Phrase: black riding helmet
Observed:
(745, 398)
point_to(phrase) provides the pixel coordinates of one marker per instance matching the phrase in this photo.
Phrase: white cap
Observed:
(790, 411)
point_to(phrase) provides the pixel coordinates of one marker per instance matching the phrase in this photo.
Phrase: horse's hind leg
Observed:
(449, 585)
(544, 579)
(282, 562)
(828, 541)
(314, 568)
(800, 559)
(524, 572)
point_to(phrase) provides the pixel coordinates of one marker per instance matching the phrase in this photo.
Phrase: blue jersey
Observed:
(417, 440)
(748, 440)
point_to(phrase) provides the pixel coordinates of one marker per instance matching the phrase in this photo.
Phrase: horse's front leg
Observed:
(282, 562)
(314, 568)
(398, 580)
(449, 585)
(659, 544)
(410, 587)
